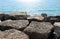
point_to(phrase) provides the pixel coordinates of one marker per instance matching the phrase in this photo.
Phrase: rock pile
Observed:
(19, 25)
(13, 16)
(39, 30)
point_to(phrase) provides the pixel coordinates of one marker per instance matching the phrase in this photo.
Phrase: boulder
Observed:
(44, 14)
(52, 18)
(57, 30)
(16, 24)
(4, 17)
(57, 24)
(36, 17)
(18, 15)
(13, 34)
(39, 30)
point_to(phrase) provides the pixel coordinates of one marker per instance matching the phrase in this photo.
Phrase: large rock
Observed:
(13, 34)
(57, 30)
(38, 30)
(18, 15)
(1, 34)
(36, 17)
(44, 14)
(4, 17)
(57, 24)
(17, 24)
(52, 19)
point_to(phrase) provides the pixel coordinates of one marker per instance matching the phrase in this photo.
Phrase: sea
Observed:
(48, 12)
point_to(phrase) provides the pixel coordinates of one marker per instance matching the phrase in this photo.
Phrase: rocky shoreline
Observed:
(23, 26)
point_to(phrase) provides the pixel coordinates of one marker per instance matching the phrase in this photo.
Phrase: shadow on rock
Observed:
(3, 28)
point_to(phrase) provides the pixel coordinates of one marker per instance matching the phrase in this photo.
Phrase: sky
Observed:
(31, 6)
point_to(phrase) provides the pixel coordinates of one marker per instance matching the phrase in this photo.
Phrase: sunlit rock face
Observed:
(15, 24)
(36, 17)
(57, 24)
(13, 34)
(39, 30)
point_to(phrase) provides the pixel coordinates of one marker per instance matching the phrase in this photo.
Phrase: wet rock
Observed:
(13, 34)
(16, 24)
(38, 30)
(57, 30)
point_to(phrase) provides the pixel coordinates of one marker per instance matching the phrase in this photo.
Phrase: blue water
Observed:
(51, 7)
(49, 12)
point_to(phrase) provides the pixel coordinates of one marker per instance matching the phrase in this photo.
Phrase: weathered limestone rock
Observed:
(57, 30)
(13, 34)
(39, 30)
(17, 24)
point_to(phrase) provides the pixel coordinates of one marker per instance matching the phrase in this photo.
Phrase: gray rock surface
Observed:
(38, 30)
(13, 34)
(57, 30)
(57, 24)
(18, 15)
(37, 17)
(17, 24)
(52, 18)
